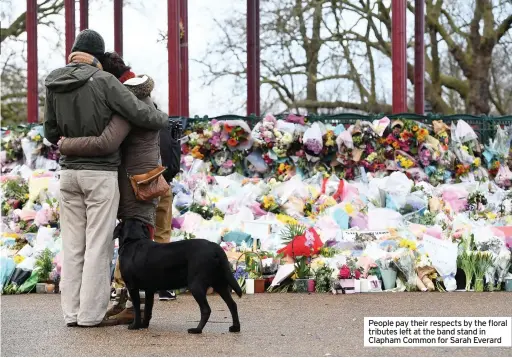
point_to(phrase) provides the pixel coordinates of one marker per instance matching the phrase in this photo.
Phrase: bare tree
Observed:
(329, 55)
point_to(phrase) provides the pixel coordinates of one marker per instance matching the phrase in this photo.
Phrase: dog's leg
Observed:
(148, 309)
(135, 296)
(199, 293)
(225, 293)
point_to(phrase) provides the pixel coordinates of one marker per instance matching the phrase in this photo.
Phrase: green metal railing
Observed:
(484, 126)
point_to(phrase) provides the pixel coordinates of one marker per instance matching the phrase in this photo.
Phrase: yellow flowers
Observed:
(268, 202)
(18, 259)
(422, 134)
(408, 244)
(371, 157)
(491, 215)
(285, 219)
(349, 208)
(477, 162)
(330, 139)
(404, 162)
(37, 138)
(11, 235)
(196, 152)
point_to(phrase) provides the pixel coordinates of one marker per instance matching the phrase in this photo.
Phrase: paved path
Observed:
(272, 325)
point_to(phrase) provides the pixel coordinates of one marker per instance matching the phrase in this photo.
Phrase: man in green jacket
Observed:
(80, 102)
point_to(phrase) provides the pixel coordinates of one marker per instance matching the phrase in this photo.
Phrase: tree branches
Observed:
(44, 11)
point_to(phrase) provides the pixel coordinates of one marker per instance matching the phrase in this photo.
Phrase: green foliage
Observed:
(302, 268)
(291, 231)
(44, 264)
(323, 279)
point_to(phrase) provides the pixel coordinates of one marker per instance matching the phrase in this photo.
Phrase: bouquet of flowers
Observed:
(404, 161)
(350, 270)
(238, 134)
(223, 163)
(270, 204)
(405, 263)
(312, 140)
(329, 142)
(323, 275)
(503, 265)
(14, 192)
(482, 262)
(283, 142)
(240, 276)
(476, 203)
(11, 146)
(263, 132)
(466, 262)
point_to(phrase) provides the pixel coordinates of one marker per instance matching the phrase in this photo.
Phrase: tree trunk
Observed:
(480, 84)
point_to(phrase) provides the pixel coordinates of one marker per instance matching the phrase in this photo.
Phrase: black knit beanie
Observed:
(91, 42)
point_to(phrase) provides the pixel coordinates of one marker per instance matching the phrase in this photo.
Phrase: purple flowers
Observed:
(314, 146)
(240, 273)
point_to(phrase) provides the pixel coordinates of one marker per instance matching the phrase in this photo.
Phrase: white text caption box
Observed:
(438, 332)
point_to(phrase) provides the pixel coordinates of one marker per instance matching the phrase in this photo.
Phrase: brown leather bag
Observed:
(149, 185)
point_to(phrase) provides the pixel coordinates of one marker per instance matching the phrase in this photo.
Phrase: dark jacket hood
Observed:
(69, 78)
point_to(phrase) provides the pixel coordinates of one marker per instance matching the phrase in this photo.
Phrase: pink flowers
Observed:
(228, 164)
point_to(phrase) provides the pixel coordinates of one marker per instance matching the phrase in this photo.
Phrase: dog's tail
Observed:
(228, 273)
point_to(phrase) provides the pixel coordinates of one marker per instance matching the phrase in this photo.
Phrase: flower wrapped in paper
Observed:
(237, 134)
(263, 132)
(307, 245)
(312, 140)
(404, 261)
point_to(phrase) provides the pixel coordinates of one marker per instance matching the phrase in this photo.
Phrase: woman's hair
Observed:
(114, 64)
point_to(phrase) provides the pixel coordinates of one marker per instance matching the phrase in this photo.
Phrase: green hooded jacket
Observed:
(80, 102)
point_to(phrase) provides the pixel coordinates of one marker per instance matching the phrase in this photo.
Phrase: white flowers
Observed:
(188, 160)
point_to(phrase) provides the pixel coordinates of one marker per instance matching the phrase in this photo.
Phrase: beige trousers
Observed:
(163, 224)
(89, 201)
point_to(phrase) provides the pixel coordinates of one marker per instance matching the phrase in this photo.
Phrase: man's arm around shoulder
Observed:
(124, 102)
(51, 129)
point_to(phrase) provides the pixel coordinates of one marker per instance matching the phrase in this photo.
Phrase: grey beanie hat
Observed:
(89, 41)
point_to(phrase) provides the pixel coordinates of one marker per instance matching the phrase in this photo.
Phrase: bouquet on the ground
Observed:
(466, 262)
(404, 261)
(14, 193)
(482, 262)
(323, 276)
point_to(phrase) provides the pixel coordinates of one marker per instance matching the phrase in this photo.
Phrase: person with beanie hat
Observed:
(91, 42)
(140, 153)
(81, 100)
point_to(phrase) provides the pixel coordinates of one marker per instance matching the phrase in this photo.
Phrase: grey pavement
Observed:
(272, 325)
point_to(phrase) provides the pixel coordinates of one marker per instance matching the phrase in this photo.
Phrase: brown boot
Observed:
(119, 304)
(127, 316)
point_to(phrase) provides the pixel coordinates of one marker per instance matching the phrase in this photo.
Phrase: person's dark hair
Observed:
(114, 64)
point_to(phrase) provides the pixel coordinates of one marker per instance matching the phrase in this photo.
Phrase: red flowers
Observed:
(232, 142)
(344, 272)
(347, 273)
(228, 128)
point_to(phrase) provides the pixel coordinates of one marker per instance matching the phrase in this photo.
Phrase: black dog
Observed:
(197, 264)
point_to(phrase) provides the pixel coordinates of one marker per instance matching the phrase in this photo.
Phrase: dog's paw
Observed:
(195, 331)
(144, 325)
(134, 326)
(234, 329)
